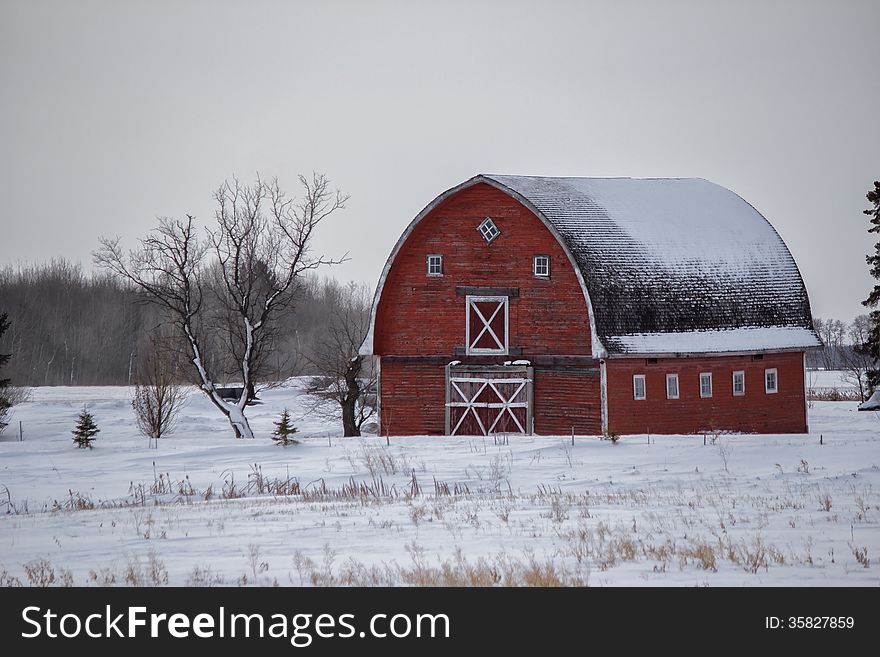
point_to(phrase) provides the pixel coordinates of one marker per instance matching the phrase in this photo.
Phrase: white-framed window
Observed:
(488, 229)
(435, 265)
(639, 390)
(739, 384)
(486, 327)
(672, 386)
(705, 384)
(771, 381)
(541, 266)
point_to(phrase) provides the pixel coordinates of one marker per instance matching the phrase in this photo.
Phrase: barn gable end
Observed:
(421, 322)
(547, 315)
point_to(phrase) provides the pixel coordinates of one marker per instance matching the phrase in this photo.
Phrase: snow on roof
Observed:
(872, 403)
(721, 341)
(672, 261)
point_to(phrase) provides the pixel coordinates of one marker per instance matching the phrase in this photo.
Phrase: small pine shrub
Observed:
(284, 430)
(85, 431)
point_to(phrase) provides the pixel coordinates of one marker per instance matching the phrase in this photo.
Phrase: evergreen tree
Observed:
(86, 430)
(284, 429)
(5, 403)
(871, 347)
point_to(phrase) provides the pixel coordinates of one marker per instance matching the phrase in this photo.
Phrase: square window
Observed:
(488, 229)
(771, 383)
(486, 328)
(435, 265)
(672, 386)
(739, 384)
(639, 386)
(705, 384)
(541, 266)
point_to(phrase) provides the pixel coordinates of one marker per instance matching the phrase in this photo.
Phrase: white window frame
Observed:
(543, 260)
(672, 377)
(644, 395)
(775, 388)
(741, 374)
(488, 229)
(470, 300)
(438, 259)
(705, 376)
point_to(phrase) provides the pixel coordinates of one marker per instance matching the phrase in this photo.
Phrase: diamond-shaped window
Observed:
(488, 230)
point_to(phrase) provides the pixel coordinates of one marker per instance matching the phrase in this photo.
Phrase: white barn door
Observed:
(484, 400)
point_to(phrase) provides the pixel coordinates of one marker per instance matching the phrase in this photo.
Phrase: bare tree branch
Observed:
(260, 245)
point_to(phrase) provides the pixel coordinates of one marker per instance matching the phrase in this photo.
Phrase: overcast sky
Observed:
(112, 113)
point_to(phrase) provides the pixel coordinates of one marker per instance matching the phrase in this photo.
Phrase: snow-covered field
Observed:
(204, 508)
(827, 380)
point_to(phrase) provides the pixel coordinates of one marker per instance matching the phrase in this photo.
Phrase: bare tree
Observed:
(345, 383)
(833, 335)
(262, 245)
(5, 403)
(856, 360)
(158, 395)
(92, 326)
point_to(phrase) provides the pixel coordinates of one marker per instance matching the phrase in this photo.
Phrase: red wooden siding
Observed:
(413, 399)
(566, 399)
(422, 315)
(756, 411)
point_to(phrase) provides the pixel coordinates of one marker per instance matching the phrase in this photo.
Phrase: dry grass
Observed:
(41, 573)
(459, 571)
(861, 555)
(833, 395)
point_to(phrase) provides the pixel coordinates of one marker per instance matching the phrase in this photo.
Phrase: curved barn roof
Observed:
(665, 257)
(669, 265)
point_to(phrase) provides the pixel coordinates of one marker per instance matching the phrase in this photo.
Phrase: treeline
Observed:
(840, 343)
(844, 348)
(69, 327)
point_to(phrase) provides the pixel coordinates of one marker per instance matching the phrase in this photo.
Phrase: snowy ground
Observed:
(204, 508)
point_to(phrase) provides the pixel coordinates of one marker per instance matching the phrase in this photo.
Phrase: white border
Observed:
(711, 387)
(673, 375)
(535, 266)
(775, 379)
(471, 299)
(644, 387)
(428, 264)
(733, 383)
(490, 222)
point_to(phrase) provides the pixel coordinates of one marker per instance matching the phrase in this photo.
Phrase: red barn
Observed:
(522, 304)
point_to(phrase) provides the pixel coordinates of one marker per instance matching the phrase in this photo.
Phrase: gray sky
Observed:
(112, 113)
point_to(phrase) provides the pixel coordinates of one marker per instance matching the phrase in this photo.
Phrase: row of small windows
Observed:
(771, 384)
(540, 265)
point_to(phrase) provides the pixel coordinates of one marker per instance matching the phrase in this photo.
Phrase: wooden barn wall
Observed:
(756, 411)
(413, 399)
(423, 315)
(566, 399)
(414, 394)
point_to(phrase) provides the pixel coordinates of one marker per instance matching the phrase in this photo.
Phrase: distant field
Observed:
(828, 379)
